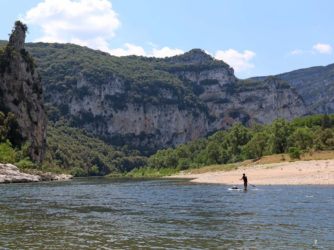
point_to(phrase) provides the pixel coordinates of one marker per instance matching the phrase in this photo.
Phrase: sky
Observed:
(257, 37)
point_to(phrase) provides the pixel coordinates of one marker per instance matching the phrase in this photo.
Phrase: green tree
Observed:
(326, 122)
(237, 137)
(213, 153)
(183, 164)
(302, 138)
(7, 153)
(279, 132)
(256, 146)
(294, 153)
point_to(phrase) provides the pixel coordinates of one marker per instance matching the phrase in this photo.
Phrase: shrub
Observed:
(7, 153)
(183, 164)
(77, 172)
(294, 153)
(25, 163)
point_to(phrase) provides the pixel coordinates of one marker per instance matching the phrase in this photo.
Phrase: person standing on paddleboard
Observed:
(244, 178)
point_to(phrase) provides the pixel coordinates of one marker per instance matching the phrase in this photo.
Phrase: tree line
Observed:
(240, 143)
(78, 152)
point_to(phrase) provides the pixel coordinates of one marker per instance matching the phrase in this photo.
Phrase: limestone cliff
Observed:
(315, 85)
(158, 103)
(21, 91)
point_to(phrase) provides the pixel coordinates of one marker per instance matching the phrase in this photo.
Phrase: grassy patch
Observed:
(151, 172)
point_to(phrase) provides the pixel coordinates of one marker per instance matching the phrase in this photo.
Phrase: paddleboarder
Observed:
(244, 178)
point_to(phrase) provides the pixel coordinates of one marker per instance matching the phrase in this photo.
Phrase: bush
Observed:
(94, 170)
(294, 153)
(7, 153)
(183, 164)
(77, 172)
(25, 163)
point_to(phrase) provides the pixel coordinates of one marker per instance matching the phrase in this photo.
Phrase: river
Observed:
(164, 214)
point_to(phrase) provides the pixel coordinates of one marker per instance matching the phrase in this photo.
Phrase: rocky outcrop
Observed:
(155, 103)
(253, 102)
(48, 176)
(148, 125)
(11, 174)
(21, 91)
(315, 85)
(226, 99)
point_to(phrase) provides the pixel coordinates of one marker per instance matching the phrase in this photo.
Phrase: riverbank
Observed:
(312, 172)
(11, 174)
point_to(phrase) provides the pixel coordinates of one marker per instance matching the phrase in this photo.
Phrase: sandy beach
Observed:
(313, 172)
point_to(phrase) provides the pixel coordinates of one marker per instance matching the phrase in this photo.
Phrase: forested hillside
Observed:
(78, 152)
(151, 103)
(68, 149)
(101, 108)
(62, 64)
(240, 143)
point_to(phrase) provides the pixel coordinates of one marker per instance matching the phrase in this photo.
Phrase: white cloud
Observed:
(85, 22)
(239, 61)
(323, 48)
(317, 48)
(166, 52)
(88, 23)
(131, 49)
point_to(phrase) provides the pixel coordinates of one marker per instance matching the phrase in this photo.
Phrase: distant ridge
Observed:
(315, 84)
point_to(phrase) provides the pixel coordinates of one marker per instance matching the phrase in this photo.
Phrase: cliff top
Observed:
(17, 38)
(194, 56)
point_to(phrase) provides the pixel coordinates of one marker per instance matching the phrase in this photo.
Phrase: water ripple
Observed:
(168, 214)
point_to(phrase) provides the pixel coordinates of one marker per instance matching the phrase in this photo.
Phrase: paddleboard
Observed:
(235, 188)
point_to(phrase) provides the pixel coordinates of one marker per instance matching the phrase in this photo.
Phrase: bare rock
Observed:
(54, 177)
(21, 92)
(11, 174)
(226, 101)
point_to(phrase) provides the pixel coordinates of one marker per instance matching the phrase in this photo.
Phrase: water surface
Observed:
(119, 213)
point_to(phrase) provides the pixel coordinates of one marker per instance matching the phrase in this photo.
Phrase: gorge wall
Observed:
(21, 91)
(157, 103)
(315, 85)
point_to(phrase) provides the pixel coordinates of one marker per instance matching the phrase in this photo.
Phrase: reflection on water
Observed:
(109, 213)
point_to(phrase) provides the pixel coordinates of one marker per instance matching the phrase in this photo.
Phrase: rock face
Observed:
(53, 177)
(21, 91)
(11, 174)
(156, 103)
(225, 100)
(315, 85)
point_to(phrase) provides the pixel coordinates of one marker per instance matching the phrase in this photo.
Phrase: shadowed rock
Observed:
(21, 92)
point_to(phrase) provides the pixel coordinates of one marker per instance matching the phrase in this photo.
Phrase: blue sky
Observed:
(254, 37)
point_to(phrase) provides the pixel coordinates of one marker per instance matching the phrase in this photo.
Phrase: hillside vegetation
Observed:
(239, 143)
(73, 149)
(78, 152)
(13, 148)
(61, 65)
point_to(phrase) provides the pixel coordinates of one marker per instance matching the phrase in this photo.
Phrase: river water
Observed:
(129, 214)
